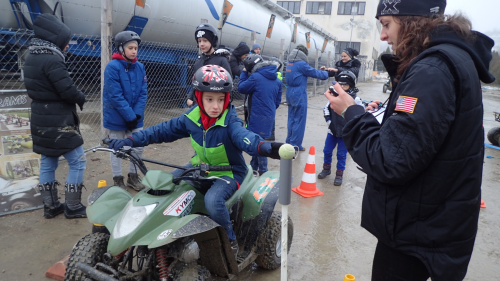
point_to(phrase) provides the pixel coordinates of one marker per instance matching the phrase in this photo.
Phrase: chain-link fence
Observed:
(168, 67)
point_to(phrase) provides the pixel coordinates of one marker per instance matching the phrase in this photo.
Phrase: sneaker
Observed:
(255, 173)
(134, 182)
(327, 170)
(338, 178)
(118, 181)
(234, 248)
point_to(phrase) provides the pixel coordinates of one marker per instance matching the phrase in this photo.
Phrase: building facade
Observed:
(352, 22)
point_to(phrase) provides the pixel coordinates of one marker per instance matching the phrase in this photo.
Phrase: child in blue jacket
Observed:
(124, 100)
(263, 90)
(218, 137)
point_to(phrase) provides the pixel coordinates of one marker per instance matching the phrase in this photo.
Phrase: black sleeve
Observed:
(235, 68)
(58, 75)
(405, 144)
(224, 63)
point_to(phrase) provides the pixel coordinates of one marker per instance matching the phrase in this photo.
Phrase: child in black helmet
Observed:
(218, 137)
(124, 100)
(206, 38)
(336, 123)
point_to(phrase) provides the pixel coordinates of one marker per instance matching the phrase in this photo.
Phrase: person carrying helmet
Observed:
(262, 88)
(336, 123)
(206, 37)
(298, 70)
(218, 137)
(55, 126)
(124, 100)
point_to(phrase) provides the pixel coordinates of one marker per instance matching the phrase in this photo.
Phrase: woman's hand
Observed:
(342, 102)
(374, 105)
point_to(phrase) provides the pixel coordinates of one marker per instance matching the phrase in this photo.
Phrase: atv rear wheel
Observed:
(88, 250)
(384, 90)
(190, 272)
(270, 242)
(494, 136)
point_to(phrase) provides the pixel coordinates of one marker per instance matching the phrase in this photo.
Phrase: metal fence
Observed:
(167, 67)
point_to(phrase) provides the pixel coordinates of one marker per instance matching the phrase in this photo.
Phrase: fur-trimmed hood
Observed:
(297, 55)
(267, 69)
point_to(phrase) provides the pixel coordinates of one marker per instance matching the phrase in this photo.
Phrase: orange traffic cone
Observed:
(483, 205)
(307, 187)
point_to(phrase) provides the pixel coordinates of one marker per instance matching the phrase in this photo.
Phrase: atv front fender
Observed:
(108, 206)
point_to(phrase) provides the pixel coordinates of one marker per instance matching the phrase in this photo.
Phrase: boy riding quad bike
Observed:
(215, 216)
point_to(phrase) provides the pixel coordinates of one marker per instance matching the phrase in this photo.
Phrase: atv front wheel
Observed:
(270, 242)
(494, 136)
(88, 250)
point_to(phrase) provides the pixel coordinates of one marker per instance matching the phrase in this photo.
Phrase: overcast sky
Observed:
(484, 15)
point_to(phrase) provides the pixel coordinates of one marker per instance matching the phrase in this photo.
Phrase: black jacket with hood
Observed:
(235, 59)
(424, 162)
(215, 59)
(54, 120)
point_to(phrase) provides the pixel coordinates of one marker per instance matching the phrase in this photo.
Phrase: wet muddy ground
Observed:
(328, 241)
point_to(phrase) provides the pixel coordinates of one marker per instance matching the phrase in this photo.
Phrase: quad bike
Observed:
(494, 134)
(387, 86)
(15, 147)
(164, 231)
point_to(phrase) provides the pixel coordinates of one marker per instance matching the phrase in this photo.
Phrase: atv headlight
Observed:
(130, 218)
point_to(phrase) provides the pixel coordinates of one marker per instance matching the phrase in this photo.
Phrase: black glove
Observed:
(270, 149)
(119, 143)
(81, 102)
(133, 124)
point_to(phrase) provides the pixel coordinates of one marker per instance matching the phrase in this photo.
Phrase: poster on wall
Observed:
(19, 166)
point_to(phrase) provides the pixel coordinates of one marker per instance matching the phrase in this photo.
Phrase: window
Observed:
(351, 8)
(341, 45)
(292, 6)
(320, 8)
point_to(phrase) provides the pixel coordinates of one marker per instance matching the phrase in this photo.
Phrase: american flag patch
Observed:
(406, 104)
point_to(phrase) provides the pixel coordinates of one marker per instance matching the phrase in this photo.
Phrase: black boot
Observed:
(118, 181)
(74, 208)
(51, 205)
(338, 178)
(134, 182)
(327, 169)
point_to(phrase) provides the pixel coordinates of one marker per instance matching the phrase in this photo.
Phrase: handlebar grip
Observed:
(220, 168)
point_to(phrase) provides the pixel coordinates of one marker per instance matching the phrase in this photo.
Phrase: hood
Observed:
(241, 50)
(267, 69)
(49, 28)
(479, 50)
(118, 56)
(297, 55)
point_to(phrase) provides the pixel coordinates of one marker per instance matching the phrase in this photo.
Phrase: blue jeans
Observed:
(330, 143)
(259, 163)
(215, 202)
(76, 161)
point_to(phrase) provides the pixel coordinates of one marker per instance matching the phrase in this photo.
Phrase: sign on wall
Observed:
(19, 165)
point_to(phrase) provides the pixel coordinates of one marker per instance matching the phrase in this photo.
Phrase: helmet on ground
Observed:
(122, 38)
(207, 31)
(212, 78)
(251, 60)
(347, 77)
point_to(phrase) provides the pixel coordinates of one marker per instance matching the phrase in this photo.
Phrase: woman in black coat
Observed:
(238, 55)
(346, 63)
(55, 125)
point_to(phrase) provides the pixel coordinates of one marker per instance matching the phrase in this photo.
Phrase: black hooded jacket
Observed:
(235, 59)
(424, 162)
(214, 59)
(352, 65)
(54, 121)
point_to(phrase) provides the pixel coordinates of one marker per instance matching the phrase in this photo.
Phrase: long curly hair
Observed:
(415, 33)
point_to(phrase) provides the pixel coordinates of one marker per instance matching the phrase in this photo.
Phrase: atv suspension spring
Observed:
(161, 256)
